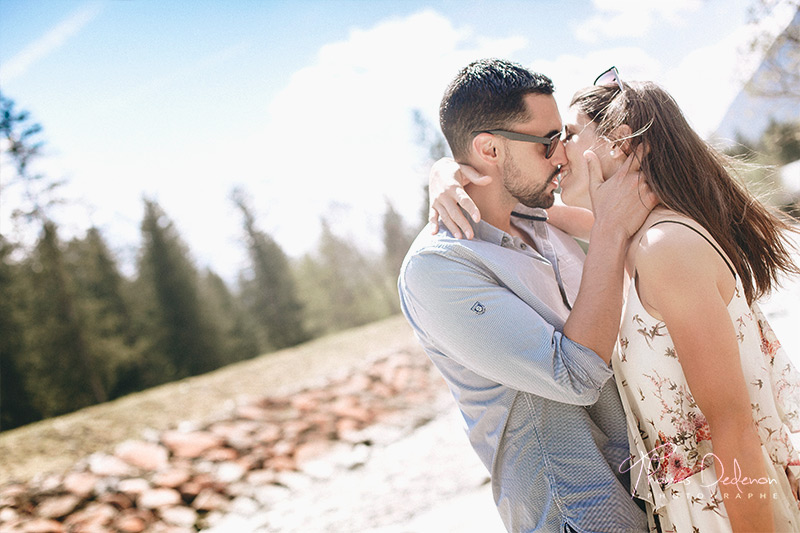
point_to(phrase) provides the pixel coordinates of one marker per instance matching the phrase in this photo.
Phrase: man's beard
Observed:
(529, 195)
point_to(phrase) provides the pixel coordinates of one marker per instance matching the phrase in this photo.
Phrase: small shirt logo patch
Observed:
(478, 308)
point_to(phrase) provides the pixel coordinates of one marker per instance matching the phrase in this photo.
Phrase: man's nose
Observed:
(559, 157)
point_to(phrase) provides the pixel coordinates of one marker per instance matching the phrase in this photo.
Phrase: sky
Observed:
(308, 104)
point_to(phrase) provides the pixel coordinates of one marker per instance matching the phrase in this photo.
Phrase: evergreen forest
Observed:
(75, 331)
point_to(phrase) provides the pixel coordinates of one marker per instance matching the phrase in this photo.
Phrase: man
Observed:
(522, 341)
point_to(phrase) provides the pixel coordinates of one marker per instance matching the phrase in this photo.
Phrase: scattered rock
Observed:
(221, 454)
(310, 450)
(58, 507)
(172, 478)
(179, 516)
(130, 522)
(209, 500)
(268, 433)
(283, 447)
(244, 506)
(116, 500)
(94, 517)
(11, 493)
(261, 477)
(145, 455)
(252, 412)
(80, 484)
(106, 465)
(158, 498)
(134, 486)
(8, 515)
(270, 494)
(192, 444)
(281, 463)
(268, 449)
(43, 525)
(346, 428)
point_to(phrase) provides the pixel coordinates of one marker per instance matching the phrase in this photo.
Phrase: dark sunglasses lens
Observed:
(551, 148)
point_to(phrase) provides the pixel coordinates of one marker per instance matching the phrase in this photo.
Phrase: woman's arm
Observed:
(447, 197)
(685, 281)
(576, 221)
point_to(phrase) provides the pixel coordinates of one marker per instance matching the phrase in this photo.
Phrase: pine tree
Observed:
(100, 292)
(56, 361)
(16, 403)
(269, 290)
(99, 278)
(343, 287)
(240, 339)
(21, 149)
(64, 373)
(180, 335)
(397, 238)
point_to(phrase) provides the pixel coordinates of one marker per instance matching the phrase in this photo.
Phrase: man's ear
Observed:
(484, 145)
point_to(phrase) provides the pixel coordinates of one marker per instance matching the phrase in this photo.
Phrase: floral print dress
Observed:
(669, 435)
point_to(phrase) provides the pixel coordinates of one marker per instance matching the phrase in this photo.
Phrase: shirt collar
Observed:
(529, 213)
(488, 233)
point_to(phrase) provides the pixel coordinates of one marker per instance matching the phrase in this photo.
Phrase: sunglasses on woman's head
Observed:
(609, 77)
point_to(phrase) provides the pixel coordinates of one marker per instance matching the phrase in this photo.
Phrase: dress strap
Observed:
(714, 246)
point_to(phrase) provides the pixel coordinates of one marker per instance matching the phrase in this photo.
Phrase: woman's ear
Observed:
(485, 148)
(622, 144)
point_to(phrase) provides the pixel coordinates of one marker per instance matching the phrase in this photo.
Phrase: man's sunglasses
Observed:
(609, 77)
(550, 142)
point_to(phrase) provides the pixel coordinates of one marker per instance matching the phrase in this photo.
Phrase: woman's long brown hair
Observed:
(692, 178)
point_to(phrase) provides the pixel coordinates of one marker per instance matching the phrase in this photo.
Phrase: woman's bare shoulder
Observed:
(682, 253)
(651, 236)
(682, 244)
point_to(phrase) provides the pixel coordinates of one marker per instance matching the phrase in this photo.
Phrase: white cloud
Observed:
(334, 141)
(572, 72)
(707, 80)
(341, 132)
(51, 41)
(631, 18)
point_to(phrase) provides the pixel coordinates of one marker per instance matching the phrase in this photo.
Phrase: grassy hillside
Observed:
(55, 444)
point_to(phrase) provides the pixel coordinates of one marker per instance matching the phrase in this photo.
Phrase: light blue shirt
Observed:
(541, 411)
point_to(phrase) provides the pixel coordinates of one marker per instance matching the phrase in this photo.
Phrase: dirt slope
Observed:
(54, 445)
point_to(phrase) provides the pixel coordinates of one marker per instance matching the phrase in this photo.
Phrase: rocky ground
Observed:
(424, 480)
(370, 447)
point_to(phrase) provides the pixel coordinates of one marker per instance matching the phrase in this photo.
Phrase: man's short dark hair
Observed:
(487, 94)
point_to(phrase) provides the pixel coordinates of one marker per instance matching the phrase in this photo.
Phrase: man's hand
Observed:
(622, 202)
(446, 196)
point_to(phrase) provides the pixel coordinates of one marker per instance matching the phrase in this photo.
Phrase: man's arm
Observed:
(469, 317)
(620, 205)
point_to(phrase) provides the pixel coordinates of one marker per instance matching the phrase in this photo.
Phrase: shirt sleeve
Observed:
(465, 314)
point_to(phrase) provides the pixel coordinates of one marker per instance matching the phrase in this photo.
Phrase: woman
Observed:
(710, 395)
